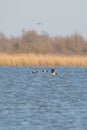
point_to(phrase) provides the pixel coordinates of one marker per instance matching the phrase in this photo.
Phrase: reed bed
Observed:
(42, 60)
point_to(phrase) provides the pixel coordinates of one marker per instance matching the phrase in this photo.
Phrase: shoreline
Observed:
(42, 60)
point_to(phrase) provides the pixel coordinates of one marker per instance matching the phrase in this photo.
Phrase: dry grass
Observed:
(33, 59)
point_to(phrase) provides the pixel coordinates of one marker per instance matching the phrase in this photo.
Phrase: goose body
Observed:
(44, 71)
(53, 71)
(34, 71)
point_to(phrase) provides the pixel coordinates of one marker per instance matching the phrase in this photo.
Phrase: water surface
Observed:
(42, 101)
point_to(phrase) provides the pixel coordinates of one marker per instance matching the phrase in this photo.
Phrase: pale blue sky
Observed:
(58, 17)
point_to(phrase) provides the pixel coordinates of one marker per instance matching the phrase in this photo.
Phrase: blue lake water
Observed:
(42, 101)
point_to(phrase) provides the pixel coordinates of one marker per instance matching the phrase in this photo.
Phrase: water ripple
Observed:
(42, 101)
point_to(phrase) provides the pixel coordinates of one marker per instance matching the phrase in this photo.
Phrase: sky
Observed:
(57, 17)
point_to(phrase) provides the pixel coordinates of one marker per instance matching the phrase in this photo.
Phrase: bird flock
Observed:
(52, 71)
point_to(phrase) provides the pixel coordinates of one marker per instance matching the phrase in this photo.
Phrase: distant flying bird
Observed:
(39, 23)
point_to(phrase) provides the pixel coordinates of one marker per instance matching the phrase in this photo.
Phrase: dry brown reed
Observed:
(42, 60)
